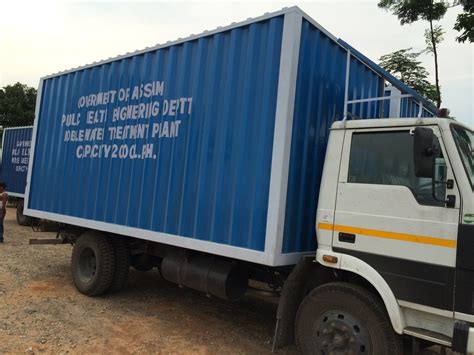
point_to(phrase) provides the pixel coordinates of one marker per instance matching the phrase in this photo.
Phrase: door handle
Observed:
(347, 237)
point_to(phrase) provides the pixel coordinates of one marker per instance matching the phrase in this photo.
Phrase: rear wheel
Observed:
(21, 219)
(93, 263)
(339, 318)
(122, 263)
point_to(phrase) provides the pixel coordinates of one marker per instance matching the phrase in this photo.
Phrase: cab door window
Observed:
(386, 158)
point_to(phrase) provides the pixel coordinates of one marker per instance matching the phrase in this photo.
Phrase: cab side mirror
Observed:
(425, 150)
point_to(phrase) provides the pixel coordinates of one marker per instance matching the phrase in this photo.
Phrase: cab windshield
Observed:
(464, 139)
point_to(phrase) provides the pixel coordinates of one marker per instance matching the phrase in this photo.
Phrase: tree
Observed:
(437, 35)
(409, 11)
(465, 21)
(404, 65)
(17, 105)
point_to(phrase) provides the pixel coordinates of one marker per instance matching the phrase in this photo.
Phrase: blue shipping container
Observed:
(16, 145)
(213, 143)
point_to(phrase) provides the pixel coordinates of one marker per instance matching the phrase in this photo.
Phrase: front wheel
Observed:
(341, 318)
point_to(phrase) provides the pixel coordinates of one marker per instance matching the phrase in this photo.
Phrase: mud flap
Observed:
(293, 292)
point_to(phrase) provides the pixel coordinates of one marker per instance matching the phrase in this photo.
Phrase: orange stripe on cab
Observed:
(412, 238)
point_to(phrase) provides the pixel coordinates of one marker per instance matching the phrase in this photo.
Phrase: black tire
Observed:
(345, 318)
(143, 262)
(21, 219)
(122, 263)
(93, 264)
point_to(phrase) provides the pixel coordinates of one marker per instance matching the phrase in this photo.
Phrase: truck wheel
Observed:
(143, 262)
(341, 318)
(21, 219)
(93, 263)
(122, 263)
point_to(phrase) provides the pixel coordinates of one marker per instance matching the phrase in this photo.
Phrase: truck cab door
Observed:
(388, 217)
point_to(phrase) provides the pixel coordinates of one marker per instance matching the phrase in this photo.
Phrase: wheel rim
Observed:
(87, 265)
(338, 333)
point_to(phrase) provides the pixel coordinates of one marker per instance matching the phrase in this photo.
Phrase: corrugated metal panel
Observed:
(390, 78)
(320, 102)
(364, 83)
(409, 107)
(15, 158)
(211, 181)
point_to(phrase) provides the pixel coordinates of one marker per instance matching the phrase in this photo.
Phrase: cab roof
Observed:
(395, 122)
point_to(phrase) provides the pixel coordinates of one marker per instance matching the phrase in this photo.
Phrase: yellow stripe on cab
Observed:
(412, 238)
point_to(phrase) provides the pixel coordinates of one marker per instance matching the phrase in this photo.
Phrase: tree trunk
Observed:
(435, 54)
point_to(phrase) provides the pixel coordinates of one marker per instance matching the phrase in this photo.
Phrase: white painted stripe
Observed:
(282, 134)
(14, 194)
(18, 127)
(33, 143)
(346, 84)
(165, 238)
(463, 316)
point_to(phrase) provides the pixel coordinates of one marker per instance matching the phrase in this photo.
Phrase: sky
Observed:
(38, 38)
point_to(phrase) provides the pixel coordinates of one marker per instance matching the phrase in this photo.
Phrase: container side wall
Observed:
(319, 102)
(15, 159)
(363, 84)
(186, 142)
(409, 107)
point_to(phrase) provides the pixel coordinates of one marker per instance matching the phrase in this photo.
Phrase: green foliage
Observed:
(409, 11)
(404, 65)
(465, 22)
(436, 36)
(17, 105)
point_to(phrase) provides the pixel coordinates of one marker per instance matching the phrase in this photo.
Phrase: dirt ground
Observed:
(41, 311)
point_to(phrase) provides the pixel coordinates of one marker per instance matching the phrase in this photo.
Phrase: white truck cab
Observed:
(396, 208)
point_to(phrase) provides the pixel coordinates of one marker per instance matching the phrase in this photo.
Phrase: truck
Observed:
(15, 152)
(273, 154)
